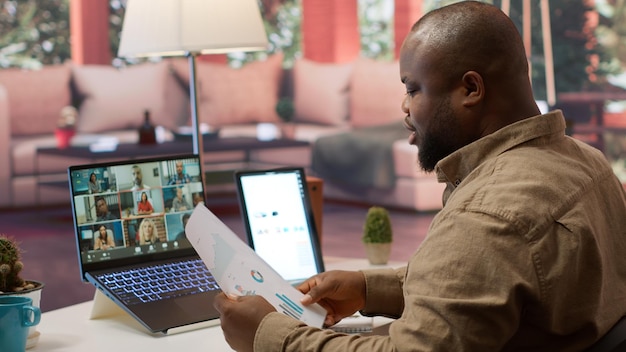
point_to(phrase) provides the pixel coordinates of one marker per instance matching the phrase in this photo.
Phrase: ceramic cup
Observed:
(17, 314)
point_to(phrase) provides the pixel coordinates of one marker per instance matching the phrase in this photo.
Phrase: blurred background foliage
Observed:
(36, 32)
(611, 36)
(376, 26)
(282, 25)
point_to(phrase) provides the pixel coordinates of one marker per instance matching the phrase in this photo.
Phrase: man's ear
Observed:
(474, 88)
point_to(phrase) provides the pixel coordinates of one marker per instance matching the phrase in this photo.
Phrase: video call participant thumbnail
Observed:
(104, 212)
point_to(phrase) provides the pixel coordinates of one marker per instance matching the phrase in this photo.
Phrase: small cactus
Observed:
(377, 227)
(10, 266)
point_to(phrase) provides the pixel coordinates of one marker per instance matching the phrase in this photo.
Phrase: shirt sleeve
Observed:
(384, 296)
(278, 332)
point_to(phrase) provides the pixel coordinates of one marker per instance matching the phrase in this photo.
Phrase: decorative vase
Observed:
(64, 136)
(378, 253)
(147, 131)
(35, 295)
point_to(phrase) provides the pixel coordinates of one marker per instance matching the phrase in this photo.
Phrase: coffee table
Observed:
(219, 171)
(245, 144)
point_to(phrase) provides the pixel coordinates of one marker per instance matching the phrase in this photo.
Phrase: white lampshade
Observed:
(180, 27)
(191, 28)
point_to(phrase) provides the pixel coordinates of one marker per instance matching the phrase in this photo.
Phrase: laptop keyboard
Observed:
(169, 280)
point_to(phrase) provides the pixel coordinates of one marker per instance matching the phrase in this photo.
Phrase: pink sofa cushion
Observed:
(321, 92)
(249, 94)
(36, 98)
(116, 99)
(376, 93)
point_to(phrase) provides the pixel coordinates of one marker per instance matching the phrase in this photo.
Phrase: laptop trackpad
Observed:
(180, 311)
(197, 305)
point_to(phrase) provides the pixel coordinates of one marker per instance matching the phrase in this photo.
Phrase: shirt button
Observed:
(457, 182)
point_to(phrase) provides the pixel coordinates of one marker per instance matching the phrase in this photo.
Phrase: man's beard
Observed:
(441, 139)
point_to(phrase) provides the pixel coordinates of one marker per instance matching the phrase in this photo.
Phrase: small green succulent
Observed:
(377, 228)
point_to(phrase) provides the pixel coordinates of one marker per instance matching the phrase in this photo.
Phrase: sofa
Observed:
(331, 101)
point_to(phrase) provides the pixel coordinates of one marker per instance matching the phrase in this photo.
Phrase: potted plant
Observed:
(377, 235)
(66, 127)
(286, 111)
(11, 284)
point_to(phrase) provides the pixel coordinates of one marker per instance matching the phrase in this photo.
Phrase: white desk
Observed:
(70, 329)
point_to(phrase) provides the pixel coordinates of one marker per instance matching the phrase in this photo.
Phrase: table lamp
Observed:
(191, 28)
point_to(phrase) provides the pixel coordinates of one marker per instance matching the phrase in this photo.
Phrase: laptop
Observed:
(129, 219)
(279, 221)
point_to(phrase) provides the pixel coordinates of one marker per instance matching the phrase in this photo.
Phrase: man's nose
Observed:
(405, 105)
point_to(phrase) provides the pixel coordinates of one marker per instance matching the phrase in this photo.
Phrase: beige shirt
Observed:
(528, 254)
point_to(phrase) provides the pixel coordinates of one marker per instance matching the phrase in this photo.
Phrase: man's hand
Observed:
(240, 317)
(341, 293)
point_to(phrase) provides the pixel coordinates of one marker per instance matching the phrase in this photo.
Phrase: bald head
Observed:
(473, 36)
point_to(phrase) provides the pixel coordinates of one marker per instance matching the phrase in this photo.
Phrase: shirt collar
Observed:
(454, 168)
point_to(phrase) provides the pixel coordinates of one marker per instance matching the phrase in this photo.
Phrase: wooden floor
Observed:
(50, 252)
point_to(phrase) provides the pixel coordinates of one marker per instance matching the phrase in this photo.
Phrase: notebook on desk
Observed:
(129, 227)
(279, 221)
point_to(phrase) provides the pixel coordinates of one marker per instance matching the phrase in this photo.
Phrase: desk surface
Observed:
(70, 329)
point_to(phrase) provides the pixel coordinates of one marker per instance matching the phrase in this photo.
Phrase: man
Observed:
(102, 210)
(184, 220)
(180, 177)
(529, 250)
(138, 184)
(179, 203)
(197, 198)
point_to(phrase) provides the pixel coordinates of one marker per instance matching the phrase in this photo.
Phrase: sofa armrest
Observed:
(5, 143)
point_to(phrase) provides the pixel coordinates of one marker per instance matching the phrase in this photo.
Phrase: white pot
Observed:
(378, 253)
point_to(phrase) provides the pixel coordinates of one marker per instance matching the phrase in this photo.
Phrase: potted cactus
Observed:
(11, 284)
(377, 235)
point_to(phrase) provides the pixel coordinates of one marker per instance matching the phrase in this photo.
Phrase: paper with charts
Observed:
(240, 271)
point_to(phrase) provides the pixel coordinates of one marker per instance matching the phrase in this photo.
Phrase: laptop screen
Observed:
(279, 221)
(133, 211)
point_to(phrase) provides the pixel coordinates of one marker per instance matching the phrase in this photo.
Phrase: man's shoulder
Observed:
(528, 182)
